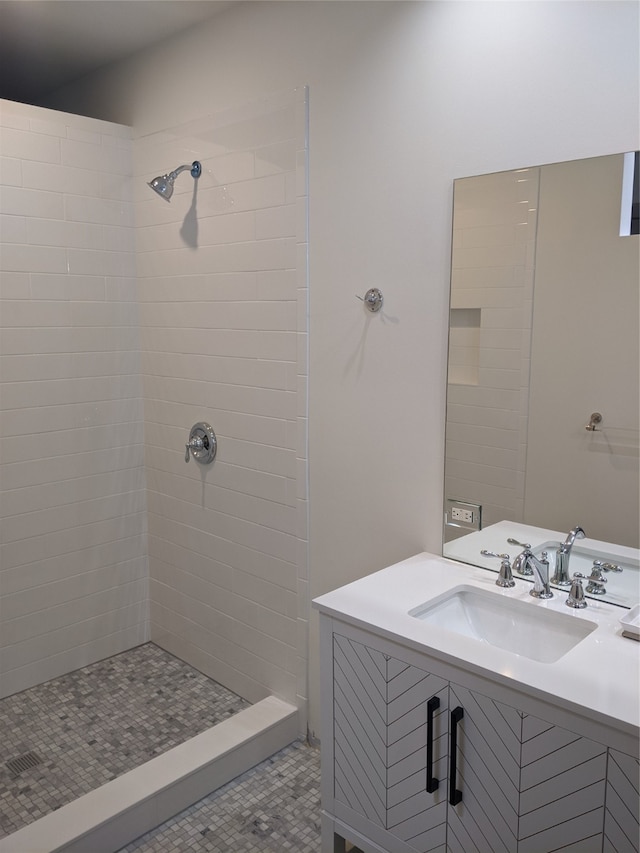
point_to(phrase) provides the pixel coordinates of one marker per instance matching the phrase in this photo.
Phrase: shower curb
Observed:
(105, 820)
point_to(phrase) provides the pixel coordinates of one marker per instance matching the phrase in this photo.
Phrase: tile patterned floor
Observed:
(92, 725)
(273, 808)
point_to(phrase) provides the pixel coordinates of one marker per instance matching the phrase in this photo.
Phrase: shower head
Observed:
(163, 184)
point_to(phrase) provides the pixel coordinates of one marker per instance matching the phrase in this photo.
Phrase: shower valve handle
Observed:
(194, 443)
(202, 443)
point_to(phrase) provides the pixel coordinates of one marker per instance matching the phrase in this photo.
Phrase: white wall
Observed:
(404, 97)
(73, 569)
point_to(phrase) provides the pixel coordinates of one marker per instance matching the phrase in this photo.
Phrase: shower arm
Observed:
(173, 175)
(195, 168)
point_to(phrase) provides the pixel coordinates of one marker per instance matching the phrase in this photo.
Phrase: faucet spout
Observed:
(528, 563)
(561, 574)
(576, 533)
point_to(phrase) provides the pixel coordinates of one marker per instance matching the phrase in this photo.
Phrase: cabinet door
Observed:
(526, 784)
(621, 829)
(381, 712)
(488, 773)
(562, 790)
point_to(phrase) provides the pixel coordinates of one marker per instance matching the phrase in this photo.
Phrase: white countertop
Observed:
(601, 674)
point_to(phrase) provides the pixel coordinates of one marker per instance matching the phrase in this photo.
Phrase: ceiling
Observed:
(47, 43)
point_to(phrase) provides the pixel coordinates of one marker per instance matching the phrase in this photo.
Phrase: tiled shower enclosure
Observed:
(125, 319)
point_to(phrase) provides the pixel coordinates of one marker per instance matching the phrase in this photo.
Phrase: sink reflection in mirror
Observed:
(619, 575)
(621, 588)
(515, 626)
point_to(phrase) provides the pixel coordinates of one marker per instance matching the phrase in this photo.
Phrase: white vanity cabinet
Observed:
(507, 780)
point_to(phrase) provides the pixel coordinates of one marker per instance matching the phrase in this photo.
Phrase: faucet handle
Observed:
(521, 565)
(596, 580)
(520, 544)
(576, 597)
(505, 577)
(599, 565)
(596, 576)
(486, 553)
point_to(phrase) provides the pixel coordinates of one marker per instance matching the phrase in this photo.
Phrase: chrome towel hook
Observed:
(594, 420)
(373, 299)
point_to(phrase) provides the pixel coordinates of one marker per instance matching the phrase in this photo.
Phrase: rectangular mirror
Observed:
(542, 430)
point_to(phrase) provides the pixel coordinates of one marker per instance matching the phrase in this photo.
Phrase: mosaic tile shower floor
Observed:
(273, 808)
(92, 725)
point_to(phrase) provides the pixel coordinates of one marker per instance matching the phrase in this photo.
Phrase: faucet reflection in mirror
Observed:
(561, 574)
(590, 558)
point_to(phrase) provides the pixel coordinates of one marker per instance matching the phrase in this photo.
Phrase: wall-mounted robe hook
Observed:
(373, 299)
(594, 420)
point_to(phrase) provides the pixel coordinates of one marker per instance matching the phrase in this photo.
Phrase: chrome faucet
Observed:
(561, 574)
(527, 563)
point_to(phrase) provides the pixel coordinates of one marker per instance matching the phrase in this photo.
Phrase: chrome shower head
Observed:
(163, 184)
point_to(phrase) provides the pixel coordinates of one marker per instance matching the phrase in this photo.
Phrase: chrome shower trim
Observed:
(163, 184)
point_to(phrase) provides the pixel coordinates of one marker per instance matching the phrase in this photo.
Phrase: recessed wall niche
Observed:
(464, 346)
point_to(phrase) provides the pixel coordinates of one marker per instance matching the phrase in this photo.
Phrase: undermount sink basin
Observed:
(519, 627)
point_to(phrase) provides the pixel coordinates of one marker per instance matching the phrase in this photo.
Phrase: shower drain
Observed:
(23, 762)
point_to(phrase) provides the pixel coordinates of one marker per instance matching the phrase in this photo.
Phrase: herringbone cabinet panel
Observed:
(380, 707)
(488, 764)
(621, 821)
(562, 788)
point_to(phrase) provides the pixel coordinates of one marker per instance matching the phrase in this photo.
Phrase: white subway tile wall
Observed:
(494, 233)
(73, 553)
(222, 284)
(115, 339)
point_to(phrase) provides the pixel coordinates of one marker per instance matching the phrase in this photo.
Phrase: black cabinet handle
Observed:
(455, 796)
(432, 706)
